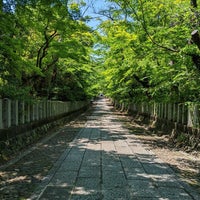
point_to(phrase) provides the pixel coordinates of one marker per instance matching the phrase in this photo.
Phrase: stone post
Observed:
(7, 113)
(21, 112)
(178, 113)
(174, 117)
(1, 112)
(15, 113)
(183, 120)
(28, 112)
(189, 123)
(165, 110)
(169, 116)
(36, 111)
(195, 116)
(155, 109)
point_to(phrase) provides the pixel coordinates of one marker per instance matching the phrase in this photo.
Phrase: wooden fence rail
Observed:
(14, 112)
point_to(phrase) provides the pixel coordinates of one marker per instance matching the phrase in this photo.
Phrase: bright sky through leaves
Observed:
(92, 9)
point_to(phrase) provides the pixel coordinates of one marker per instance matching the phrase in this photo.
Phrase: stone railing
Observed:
(15, 113)
(185, 114)
(23, 123)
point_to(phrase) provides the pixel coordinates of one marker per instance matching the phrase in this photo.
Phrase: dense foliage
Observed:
(152, 50)
(145, 50)
(45, 49)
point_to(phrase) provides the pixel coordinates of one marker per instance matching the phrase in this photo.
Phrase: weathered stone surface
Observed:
(105, 162)
(55, 192)
(111, 164)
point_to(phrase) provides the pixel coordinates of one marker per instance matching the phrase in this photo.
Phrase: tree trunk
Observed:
(196, 38)
(193, 3)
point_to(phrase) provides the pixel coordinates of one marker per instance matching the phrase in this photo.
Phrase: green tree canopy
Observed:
(152, 51)
(45, 50)
(146, 50)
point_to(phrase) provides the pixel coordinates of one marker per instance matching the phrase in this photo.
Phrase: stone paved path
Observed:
(106, 162)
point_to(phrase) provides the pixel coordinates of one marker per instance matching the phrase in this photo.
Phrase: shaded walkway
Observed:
(105, 162)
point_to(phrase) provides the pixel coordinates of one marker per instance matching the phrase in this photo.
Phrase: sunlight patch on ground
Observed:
(82, 191)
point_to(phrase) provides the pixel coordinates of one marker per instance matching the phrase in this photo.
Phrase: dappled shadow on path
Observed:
(108, 172)
(186, 165)
(20, 179)
(107, 162)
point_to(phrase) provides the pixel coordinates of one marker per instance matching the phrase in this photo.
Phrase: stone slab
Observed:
(106, 163)
(56, 193)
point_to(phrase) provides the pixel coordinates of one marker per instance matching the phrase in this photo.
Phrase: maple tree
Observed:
(45, 50)
(144, 51)
(152, 51)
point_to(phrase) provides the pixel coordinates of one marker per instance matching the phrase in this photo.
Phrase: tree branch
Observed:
(43, 49)
(143, 23)
(144, 82)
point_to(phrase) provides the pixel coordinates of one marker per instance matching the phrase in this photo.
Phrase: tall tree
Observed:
(45, 43)
(159, 63)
